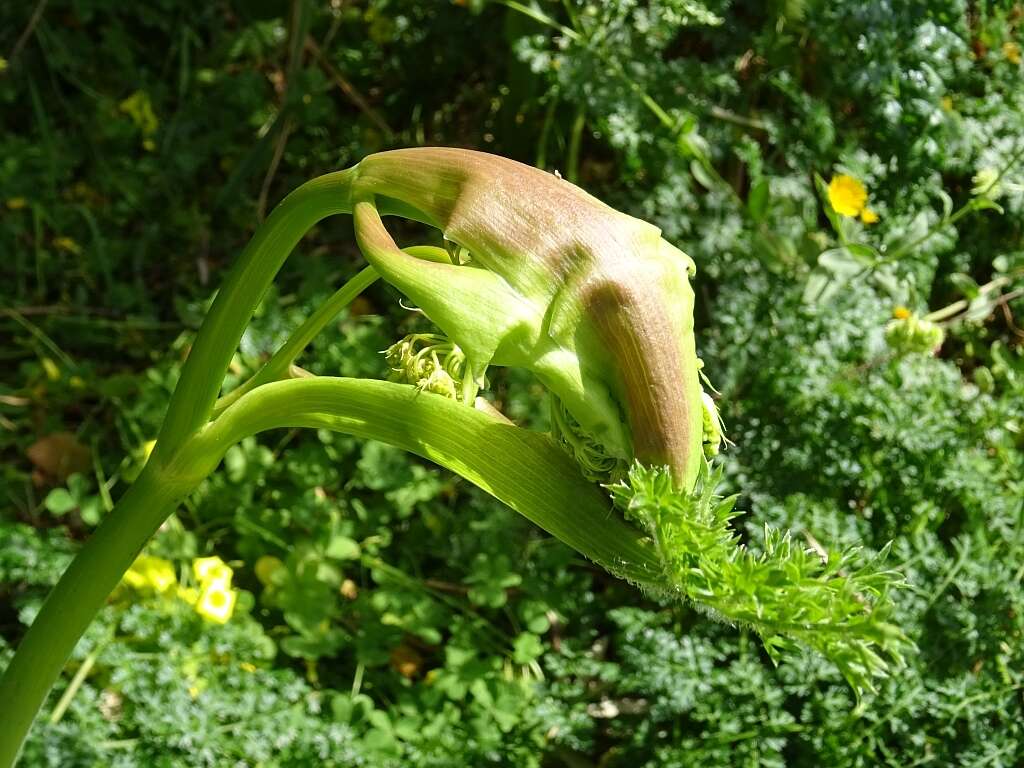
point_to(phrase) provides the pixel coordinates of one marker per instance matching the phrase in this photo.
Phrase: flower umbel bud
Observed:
(592, 301)
(594, 461)
(429, 361)
(713, 432)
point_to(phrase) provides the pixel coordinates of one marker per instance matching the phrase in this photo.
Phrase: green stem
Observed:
(277, 367)
(76, 682)
(572, 163)
(959, 306)
(74, 602)
(947, 221)
(192, 403)
(525, 470)
(545, 132)
(172, 471)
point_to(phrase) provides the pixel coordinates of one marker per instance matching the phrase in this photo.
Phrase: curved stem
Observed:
(74, 602)
(201, 378)
(525, 470)
(277, 366)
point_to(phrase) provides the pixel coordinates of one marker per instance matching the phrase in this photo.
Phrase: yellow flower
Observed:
(868, 216)
(947, 103)
(217, 602)
(846, 195)
(1012, 52)
(149, 572)
(189, 594)
(247, 667)
(16, 203)
(900, 313)
(67, 244)
(212, 570)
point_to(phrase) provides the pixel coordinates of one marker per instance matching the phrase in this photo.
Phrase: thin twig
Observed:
(40, 336)
(33, 20)
(275, 161)
(729, 116)
(102, 318)
(1008, 317)
(350, 90)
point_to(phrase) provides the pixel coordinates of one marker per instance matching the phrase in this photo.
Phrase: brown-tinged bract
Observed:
(593, 301)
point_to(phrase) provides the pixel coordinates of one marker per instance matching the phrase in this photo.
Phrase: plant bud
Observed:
(913, 335)
(594, 302)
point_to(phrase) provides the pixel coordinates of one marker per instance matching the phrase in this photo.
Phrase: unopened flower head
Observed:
(592, 301)
(986, 184)
(907, 333)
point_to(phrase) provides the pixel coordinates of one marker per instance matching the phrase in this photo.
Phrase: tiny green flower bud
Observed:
(712, 433)
(430, 362)
(913, 335)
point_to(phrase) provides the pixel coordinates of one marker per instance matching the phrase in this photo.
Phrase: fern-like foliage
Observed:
(790, 595)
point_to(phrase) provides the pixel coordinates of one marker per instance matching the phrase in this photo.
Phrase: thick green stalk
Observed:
(525, 470)
(172, 471)
(75, 601)
(208, 360)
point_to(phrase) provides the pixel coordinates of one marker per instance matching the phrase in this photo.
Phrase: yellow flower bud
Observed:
(265, 568)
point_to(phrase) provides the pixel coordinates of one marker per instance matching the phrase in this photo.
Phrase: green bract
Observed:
(592, 301)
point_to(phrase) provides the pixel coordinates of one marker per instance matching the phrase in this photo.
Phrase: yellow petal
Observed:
(846, 195)
(149, 572)
(208, 570)
(217, 603)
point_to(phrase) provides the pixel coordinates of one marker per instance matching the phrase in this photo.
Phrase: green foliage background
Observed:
(415, 621)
